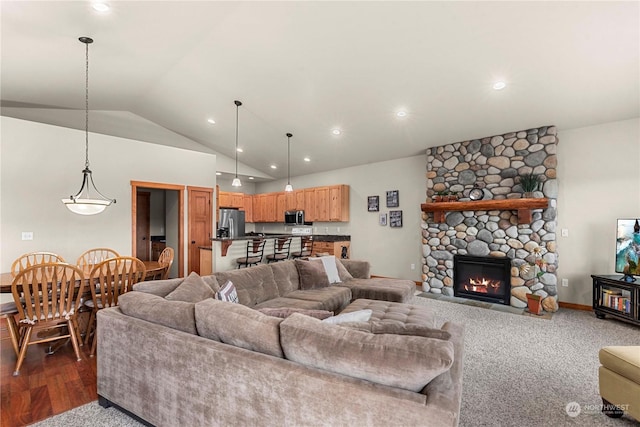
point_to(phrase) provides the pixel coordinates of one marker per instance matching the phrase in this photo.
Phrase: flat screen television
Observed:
(628, 248)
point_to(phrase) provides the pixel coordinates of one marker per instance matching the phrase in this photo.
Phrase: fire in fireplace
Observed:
(482, 278)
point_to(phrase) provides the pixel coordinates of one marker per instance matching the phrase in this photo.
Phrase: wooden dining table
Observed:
(153, 268)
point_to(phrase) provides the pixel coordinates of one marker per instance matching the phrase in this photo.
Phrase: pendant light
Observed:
(83, 202)
(288, 187)
(236, 181)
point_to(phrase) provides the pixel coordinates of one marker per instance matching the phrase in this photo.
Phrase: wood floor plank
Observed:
(40, 403)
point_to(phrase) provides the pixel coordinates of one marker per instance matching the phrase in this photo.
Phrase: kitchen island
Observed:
(229, 249)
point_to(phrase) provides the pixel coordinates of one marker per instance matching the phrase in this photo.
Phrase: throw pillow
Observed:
(192, 289)
(284, 312)
(228, 293)
(178, 315)
(354, 316)
(240, 326)
(401, 361)
(329, 265)
(342, 271)
(312, 275)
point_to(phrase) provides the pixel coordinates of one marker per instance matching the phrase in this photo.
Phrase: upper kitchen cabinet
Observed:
(310, 205)
(248, 208)
(339, 203)
(322, 203)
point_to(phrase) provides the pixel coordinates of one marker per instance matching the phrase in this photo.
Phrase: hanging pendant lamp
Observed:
(83, 202)
(236, 181)
(288, 187)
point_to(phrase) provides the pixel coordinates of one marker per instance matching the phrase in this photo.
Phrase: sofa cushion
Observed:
(401, 361)
(285, 312)
(286, 276)
(178, 315)
(331, 298)
(410, 314)
(239, 326)
(342, 271)
(398, 328)
(329, 265)
(228, 293)
(290, 302)
(357, 268)
(354, 316)
(192, 289)
(254, 284)
(161, 288)
(379, 288)
(312, 274)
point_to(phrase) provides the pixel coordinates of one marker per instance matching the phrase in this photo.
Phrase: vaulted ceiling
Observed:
(159, 70)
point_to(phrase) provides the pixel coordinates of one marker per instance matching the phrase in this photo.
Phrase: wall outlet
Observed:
(27, 235)
(565, 283)
(413, 266)
(564, 232)
(326, 229)
(338, 229)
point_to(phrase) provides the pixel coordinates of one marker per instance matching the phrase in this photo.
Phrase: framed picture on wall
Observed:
(383, 219)
(395, 219)
(373, 203)
(393, 199)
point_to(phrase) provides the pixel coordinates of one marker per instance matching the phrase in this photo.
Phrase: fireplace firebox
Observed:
(485, 279)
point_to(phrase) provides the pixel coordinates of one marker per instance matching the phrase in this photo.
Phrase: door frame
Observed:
(160, 186)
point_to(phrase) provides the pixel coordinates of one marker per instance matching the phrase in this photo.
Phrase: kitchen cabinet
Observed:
(322, 203)
(332, 248)
(310, 205)
(248, 207)
(228, 199)
(339, 203)
(298, 200)
(281, 205)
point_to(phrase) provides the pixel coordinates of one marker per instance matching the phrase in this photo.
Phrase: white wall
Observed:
(391, 251)
(599, 181)
(42, 164)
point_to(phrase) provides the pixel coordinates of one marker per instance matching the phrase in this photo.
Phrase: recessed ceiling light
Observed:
(274, 167)
(250, 177)
(336, 131)
(213, 122)
(499, 85)
(218, 173)
(307, 159)
(401, 113)
(100, 7)
(239, 150)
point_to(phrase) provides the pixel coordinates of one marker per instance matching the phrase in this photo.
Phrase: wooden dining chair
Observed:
(95, 256)
(47, 296)
(108, 280)
(281, 248)
(33, 258)
(306, 247)
(165, 259)
(255, 250)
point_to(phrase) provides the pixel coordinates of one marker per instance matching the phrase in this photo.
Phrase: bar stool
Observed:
(281, 247)
(306, 247)
(255, 249)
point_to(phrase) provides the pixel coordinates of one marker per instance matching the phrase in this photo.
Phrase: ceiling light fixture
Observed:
(499, 85)
(307, 159)
(273, 167)
(288, 187)
(100, 7)
(401, 114)
(251, 177)
(239, 150)
(236, 181)
(82, 203)
(213, 122)
(218, 173)
(336, 131)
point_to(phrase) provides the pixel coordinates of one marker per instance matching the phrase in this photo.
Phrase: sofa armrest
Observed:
(357, 268)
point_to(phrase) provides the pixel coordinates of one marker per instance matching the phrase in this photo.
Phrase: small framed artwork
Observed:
(373, 203)
(393, 199)
(395, 219)
(383, 219)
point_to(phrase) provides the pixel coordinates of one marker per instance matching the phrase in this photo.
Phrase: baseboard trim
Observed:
(573, 306)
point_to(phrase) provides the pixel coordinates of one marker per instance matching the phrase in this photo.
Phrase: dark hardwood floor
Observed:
(47, 384)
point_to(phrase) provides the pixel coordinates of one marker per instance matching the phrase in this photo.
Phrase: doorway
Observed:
(200, 223)
(171, 230)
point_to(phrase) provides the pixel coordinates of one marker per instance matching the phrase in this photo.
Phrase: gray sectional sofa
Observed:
(173, 355)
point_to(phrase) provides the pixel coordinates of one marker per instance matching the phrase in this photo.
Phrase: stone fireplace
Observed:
(493, 164)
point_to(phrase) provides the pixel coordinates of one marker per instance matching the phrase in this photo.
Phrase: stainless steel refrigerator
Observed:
(232, 220)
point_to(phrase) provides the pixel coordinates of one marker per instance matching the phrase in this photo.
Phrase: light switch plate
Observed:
(564, 232)
(27, 235)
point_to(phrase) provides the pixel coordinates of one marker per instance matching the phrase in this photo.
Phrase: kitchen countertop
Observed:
(316, 237)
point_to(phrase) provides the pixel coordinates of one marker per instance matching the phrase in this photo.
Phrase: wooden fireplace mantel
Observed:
(523, 206)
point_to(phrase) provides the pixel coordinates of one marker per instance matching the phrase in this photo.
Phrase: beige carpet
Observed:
(519, 370)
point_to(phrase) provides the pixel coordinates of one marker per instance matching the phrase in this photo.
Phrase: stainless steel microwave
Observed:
(294, 217)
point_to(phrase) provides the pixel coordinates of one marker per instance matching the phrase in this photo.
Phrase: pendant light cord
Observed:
(237, 109)
(288, 159)
(86, 108)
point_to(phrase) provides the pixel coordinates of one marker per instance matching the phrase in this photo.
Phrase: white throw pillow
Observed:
(329, 263)
(354, 316)
(228, 293)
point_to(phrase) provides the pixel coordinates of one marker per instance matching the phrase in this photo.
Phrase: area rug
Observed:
(518, 370)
